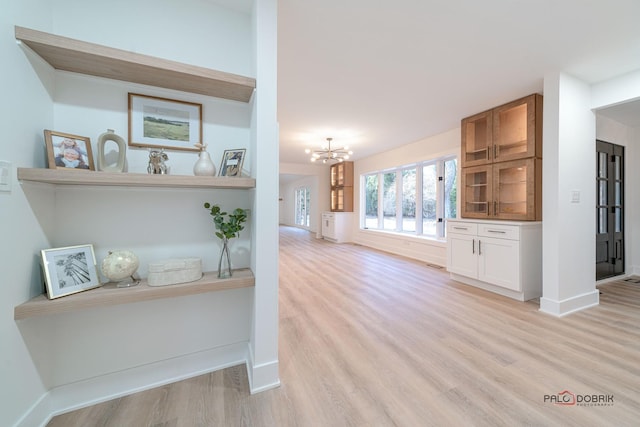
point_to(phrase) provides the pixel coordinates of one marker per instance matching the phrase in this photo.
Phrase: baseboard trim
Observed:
(569, 305)
(264, 376)
(89, 392)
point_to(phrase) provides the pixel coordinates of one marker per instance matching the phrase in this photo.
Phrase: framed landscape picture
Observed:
(66, 151)
(164, 123)
(69, 270)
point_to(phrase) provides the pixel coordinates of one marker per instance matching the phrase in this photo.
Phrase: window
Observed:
(303, 202)
(371, 201)
(415, 199)
(389, 201)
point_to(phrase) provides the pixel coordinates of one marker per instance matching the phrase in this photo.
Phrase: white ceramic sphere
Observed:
(119, 265)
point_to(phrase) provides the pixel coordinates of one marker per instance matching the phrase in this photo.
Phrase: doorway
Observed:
(610, 210)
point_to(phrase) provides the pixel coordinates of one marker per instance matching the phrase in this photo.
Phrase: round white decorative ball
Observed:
(119, 265)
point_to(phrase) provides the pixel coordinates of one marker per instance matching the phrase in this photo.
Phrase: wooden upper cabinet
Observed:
(509, 132)
(501, 162)
(517, 129)
(477, 139)
(342, 187)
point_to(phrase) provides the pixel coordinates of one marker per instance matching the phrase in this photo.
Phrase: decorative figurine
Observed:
(156, 162)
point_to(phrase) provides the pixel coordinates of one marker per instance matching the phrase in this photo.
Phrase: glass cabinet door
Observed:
(514, 185)
(476, 139)
(514, 129)
(476, 184)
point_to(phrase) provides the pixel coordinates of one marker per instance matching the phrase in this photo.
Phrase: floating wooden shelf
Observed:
(84, 177)
(109, 294)
(68, 54)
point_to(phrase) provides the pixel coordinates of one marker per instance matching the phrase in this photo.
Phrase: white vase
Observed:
(204, 166)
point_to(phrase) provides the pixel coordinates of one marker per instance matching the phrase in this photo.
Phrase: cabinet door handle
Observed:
(460, 228)
(479, 247)
(495, 208)
(473, 246)
(497, 231)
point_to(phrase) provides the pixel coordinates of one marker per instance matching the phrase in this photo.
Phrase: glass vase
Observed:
(224, 263)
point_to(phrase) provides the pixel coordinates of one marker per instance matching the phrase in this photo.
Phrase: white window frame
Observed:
(440, 202)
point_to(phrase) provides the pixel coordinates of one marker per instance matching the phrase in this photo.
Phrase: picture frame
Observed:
(69, 270)
(168, 124)
(67, 151)
(232, 161)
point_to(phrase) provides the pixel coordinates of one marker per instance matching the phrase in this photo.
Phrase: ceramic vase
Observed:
(204, 166)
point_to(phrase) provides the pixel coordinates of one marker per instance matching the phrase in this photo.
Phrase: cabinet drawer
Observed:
(462, 228)
(499, 231)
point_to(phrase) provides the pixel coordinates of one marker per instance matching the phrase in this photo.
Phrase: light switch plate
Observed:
(575, 196)
(6, 173)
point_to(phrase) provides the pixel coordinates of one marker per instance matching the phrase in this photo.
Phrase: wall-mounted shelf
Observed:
(109, 294)
(84, 177)
(67, 54)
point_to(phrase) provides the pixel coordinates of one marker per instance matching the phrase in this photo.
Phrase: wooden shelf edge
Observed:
(68, 54)
(109, 294)
(84, 177)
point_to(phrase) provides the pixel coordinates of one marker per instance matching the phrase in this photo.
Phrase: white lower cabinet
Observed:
(336, 226)
(500, 256)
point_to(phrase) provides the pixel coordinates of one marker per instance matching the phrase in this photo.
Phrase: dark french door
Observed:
(609, 210)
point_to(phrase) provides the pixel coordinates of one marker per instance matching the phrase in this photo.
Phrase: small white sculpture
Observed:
(103, 164)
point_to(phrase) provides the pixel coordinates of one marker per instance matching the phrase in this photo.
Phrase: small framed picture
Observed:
(164, 123)
(232, 162)
(66, 151)
(69, 270)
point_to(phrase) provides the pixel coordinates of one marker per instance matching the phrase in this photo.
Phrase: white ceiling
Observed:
(377, 74)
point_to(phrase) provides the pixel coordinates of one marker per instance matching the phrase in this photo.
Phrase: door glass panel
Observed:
(512, 191)
(602, 220)
(476, 139)
(512, 134)
(602, 165)
(618, 220)
(476, 191)
(616, 168)
(602, 193)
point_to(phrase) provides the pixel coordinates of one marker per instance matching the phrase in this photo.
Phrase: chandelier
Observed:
(327, 153)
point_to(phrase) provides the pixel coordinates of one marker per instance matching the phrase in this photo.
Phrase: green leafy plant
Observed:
(227, 225)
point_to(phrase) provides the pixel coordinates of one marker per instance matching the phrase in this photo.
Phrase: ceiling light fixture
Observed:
(327, 153)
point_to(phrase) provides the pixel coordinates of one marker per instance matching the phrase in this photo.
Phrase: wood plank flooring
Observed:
(372, 339)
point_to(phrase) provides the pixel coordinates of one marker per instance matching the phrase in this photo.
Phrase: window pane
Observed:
(389, 201)
(371, 201)
(429, 218)
(409, 200)
(450, 188)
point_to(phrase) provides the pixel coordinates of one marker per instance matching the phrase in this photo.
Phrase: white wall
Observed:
(26, 110)
(288, 205)
(568, 166)
(263, 364)
(317, 176)
(611, 131)
(424, 249)
(58, 353)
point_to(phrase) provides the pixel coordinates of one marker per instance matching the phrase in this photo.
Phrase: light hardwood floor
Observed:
(372, 339)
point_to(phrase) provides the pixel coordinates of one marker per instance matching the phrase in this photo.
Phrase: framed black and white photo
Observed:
(156, 122)
(67, 151)
(232, 161)
(69, 270)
